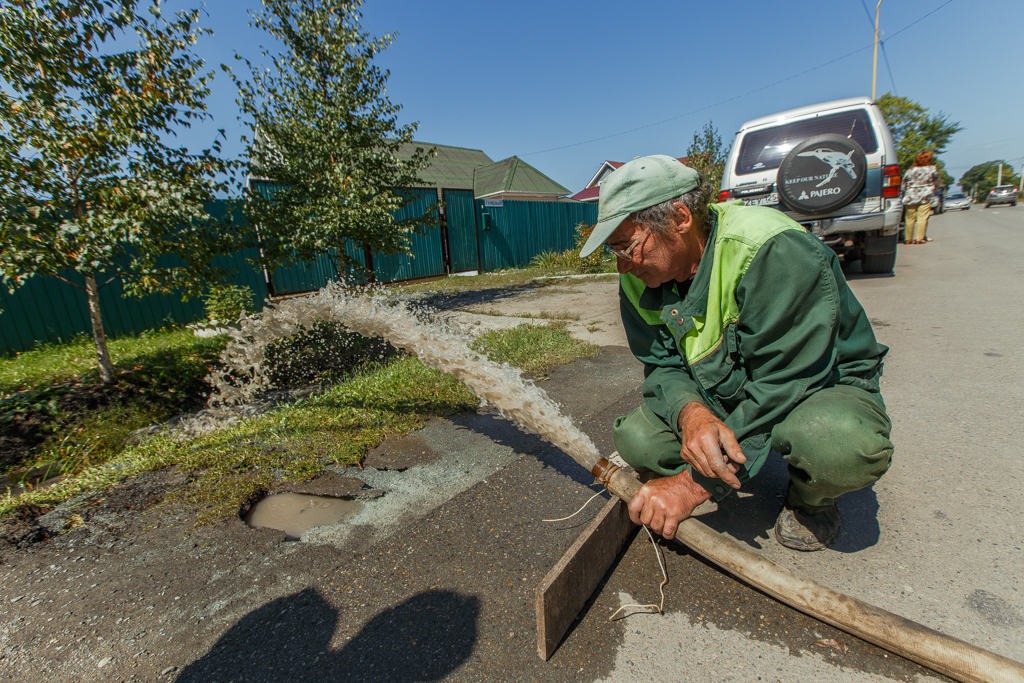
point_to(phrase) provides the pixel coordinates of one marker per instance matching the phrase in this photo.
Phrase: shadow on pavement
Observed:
(751, 519)
(501, 431)
(460, 299)
(424, 638)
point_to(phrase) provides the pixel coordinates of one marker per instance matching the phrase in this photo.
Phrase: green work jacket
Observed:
(766, 321)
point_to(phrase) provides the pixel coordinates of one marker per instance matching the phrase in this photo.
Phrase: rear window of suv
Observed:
(765, 149)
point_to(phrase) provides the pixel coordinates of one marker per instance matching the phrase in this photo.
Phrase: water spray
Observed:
(529, 406)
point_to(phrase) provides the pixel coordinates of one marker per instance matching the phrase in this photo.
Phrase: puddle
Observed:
(293, 513)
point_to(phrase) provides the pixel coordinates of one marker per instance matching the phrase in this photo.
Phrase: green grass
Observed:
(568, 260)
(292, 443)
(57, 363)
(295, 442)
(534, 349)
(73, 419)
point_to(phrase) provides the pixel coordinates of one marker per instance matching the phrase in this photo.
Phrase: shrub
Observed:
(570, 258)
(593, 263)
(227, 303)
(323, 352)
(556, 260)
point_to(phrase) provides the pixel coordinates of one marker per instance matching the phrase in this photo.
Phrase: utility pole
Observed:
(874, 69)
(1000, 179)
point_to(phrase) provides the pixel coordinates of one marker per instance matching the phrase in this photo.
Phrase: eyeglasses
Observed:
(627, 253)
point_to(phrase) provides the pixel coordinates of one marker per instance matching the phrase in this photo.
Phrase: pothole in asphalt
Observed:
(401, 453)
(294, 513)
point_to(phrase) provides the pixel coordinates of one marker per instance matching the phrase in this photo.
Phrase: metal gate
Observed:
(463, 247)
(515, 231)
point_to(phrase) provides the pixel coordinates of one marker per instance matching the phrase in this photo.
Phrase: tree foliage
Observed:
(325, 137)
(914, 130)
(986, 176)
(88, 181)
(707, 155)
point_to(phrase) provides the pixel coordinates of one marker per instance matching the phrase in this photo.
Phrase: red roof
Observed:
(617, 164)
(587, 193)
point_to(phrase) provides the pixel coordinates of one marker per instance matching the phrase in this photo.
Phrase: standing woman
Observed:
(920, 183)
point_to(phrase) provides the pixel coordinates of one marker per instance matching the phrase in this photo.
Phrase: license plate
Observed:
(772, 198)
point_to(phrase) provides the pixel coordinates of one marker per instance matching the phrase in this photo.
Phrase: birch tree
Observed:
(92, 94)
(325, 137)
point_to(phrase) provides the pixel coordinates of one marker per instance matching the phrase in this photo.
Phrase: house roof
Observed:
(451, 168)
(587, 193)
(513, 175)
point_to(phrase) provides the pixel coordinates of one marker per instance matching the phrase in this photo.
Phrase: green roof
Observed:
(451, 168)
(513, 175)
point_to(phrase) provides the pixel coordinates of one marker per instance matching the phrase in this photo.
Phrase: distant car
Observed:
(1002, 194)
(957, 201)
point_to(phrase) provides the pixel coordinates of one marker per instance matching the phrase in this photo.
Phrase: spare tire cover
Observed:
(821, 174)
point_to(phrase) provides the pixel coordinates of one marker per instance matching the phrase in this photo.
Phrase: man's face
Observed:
(655, 259)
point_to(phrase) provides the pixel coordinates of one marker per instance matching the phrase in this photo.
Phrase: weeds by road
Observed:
(534, 349)
(55, 410)
(76, 359)
(294, 442)
(291, 443)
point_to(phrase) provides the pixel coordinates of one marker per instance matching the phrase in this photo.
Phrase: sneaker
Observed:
(799, 530)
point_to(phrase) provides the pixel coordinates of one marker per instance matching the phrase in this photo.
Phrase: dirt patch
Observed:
(29, 420)
(331, 485)
(109, 513)
(401, 453)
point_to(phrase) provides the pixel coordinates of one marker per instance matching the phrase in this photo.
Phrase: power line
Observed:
(920, 20)
(731, 99)
(889, 69)
(982, 144)
(881, 44)
(697, 111)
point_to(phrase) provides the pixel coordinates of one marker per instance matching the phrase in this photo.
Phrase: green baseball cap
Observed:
(635, 186)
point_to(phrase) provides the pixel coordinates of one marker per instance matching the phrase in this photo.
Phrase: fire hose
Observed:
(930, 648)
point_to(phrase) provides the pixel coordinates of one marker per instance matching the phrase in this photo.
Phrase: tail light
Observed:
(891, 179)
(725, 195)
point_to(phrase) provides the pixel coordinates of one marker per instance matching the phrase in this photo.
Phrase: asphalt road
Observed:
(136, 594)
(950, 547)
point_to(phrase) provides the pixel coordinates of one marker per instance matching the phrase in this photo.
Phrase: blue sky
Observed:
(528, 77)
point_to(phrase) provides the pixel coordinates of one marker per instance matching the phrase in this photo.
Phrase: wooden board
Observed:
(571, 582)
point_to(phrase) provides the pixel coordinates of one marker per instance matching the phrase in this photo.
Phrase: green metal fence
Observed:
(427, 258)
(47, 310)
(513, 233)
(475, 237)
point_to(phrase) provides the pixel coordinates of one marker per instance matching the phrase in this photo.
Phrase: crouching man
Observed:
(751, 341)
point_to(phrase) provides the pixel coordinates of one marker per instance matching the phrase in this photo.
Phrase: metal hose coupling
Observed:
(603, 471)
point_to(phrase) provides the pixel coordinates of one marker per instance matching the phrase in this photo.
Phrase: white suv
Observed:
(831, 167)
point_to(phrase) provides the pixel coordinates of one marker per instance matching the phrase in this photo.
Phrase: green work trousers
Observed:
(834, 441)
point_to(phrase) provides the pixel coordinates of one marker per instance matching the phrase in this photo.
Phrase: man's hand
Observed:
(705, 437)
(663, 503)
